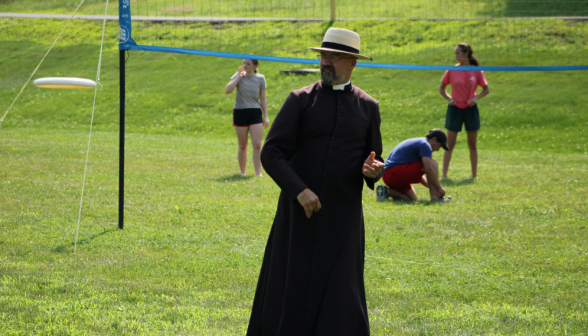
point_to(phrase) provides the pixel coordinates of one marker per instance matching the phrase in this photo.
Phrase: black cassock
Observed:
(311, 279)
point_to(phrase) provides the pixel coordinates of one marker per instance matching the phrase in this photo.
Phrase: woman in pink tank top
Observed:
(463, 108)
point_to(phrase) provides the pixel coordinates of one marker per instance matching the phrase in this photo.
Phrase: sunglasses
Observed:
(333, 58)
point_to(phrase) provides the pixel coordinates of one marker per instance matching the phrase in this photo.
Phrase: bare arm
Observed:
(233, 83)
(263, 101)
(474, 99)
(445, 95)
(431, 172)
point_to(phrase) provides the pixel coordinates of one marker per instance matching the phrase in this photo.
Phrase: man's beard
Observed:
(328, 74)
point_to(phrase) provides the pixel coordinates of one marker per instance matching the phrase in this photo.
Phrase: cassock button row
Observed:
(333, 138)
(325, 175)
(330, 150)
(317, 239)
(336, 125)
(327, 163)
(338, 113)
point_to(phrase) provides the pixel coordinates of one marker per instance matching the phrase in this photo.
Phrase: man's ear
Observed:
(353, 63)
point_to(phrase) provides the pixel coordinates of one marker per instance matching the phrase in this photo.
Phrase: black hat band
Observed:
(342, 47)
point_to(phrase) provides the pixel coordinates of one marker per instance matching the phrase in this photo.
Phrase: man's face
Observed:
(336, 67)
(436, 145)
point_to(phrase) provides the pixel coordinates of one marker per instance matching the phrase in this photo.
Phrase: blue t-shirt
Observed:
(409, 151)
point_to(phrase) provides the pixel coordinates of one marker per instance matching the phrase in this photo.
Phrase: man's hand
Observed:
(441, 192)
(452, 102)
(371, 166)
(309, 201)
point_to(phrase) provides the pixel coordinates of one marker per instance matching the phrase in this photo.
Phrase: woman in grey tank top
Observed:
(249, 111)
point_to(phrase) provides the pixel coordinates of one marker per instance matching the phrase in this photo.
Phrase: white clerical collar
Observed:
(341, 86)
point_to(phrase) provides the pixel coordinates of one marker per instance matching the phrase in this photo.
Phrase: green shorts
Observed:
(456, 117)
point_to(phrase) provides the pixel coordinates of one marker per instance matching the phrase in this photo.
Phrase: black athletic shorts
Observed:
(247, 117)
(456, 117)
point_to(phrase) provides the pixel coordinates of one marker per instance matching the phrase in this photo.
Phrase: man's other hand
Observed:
(309, 201)
(441, 192)
(371, 166)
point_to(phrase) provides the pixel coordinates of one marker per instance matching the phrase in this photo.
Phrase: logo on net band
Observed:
(123, 34)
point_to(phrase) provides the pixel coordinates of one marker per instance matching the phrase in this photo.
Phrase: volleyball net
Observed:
(411, 34)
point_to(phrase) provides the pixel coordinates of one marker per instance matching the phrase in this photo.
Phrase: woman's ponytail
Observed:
(467, 49)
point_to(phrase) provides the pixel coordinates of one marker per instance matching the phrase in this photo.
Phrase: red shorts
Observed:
(400, 177)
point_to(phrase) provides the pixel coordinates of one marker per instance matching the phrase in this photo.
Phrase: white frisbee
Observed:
(64, 83)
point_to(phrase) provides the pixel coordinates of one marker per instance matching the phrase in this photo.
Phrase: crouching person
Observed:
(412, 162)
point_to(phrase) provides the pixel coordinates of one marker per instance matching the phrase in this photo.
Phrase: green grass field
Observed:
(367, 9)
(507, 256)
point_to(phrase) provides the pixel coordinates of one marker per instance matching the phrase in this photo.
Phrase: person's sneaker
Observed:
(444, 199)
(382, 193)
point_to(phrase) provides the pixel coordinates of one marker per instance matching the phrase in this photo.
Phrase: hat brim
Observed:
(359, 56)
(444, 145)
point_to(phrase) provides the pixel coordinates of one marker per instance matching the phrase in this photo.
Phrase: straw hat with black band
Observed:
(342, 41)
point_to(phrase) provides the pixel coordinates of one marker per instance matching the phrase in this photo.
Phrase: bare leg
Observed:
(256, 136)
(242, 153)
(411, 194)
(433, 191)
(424, 181)
(451, 139)
(472, 145)
(395, 194)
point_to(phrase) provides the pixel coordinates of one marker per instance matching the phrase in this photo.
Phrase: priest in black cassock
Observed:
(323, 144)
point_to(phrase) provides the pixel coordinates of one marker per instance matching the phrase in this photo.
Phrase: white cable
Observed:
(37, 68)
(91, 123)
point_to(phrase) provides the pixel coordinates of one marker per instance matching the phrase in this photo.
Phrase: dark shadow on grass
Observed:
(233, 178)
(452, 183)
(64, 247)
(399, 202)
(416, 203)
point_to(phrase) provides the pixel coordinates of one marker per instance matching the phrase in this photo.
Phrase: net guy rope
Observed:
(71, 83)
(37, 68)
(96, 89)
